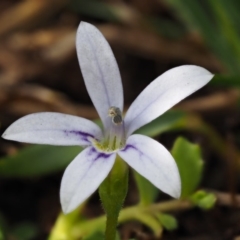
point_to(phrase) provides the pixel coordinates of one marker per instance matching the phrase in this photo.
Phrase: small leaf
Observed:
(170, 120)
(37, 160)
(168, 221)
(203, 199)
(147, 191)
(189, 160)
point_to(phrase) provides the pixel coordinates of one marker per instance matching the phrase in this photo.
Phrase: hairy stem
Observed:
(112, 192)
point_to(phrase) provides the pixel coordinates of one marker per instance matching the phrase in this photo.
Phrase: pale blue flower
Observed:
(102, 78)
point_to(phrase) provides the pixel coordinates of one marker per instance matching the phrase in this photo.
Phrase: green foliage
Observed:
(120, 13)
(112, 192)
(168, 221)
(189, 160)
(147, 191)
(215, 21)
(204, 200)
(37, 160)
(169, 121)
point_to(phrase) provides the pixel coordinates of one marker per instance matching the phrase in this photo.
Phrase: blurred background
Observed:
(39, 71)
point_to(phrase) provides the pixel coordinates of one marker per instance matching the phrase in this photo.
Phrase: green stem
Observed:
(111, 226)
(130, 213)
(112, 192)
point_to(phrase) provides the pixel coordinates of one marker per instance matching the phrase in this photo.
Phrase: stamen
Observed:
(116, 115)
(117, 132)
(114, 138)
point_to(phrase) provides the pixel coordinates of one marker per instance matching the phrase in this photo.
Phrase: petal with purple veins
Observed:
(154, 162)
(54, 129)
(83, 176)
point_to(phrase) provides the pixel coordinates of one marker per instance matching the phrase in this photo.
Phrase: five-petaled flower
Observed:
(102, 78)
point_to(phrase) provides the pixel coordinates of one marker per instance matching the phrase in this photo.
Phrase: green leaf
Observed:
(189, 160)
(147, 191)
(168, 221)
(170, 120)
(37, 160)
(203, 199)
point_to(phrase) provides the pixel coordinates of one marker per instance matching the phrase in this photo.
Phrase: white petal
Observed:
(83, 176)
(163, 93)
(100, 70)
(53, 128)
(153, 161)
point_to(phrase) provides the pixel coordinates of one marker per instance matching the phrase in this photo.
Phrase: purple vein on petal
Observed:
(128, 146)
(83, 176)
(99, 154)
(83, 135)
(131, 146)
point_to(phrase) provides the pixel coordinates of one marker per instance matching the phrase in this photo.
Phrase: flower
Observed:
(102, 78)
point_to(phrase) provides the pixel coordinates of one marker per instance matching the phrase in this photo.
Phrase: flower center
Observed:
(114, 137)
